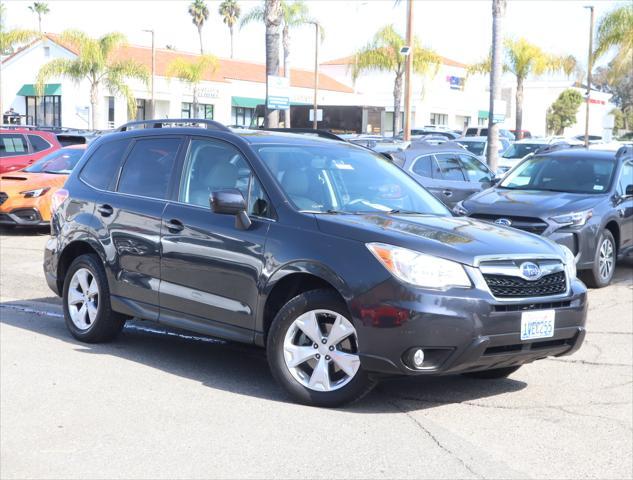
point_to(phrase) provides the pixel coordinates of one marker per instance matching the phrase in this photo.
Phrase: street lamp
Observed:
(589, 66)
(406, 51)
(316, 72)
(153, 69)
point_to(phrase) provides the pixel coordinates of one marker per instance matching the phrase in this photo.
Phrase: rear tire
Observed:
(493, 374)
(305, 356)
(603, 269)
(86, 300)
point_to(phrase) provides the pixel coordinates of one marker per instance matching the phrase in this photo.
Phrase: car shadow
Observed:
(239, 368)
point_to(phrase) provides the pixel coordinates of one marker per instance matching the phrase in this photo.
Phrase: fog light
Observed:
(418, 357)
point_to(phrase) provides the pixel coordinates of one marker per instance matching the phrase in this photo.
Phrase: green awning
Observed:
(247, 102)
(28, 89)
(483, 114)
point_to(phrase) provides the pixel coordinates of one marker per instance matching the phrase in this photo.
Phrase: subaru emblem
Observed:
(506, 222)
(530, 271)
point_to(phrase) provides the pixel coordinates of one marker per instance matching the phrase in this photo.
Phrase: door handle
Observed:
(448, 193)
(105, 210)
(174, 225)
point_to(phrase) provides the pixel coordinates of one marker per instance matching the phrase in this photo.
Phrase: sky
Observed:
(457, 29)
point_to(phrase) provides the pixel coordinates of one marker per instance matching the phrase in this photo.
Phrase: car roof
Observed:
(533, 141)
(80, 146)
(472, 139)
(568, 154)
(421, 148)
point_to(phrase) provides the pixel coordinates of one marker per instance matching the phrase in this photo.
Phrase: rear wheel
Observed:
(604, 260)
(495, 373)
(312, 350)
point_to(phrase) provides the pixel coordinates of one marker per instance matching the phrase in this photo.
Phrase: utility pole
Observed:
(589, 67)
(316, 73)
(498, 12)
(407, 73)
(152, 109)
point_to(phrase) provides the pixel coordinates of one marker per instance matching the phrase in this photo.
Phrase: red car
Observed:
(20, 147)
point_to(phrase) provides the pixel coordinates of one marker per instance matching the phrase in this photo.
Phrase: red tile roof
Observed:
(350, 59)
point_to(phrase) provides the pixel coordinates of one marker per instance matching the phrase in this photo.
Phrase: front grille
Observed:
(3, 197)
(521, 307)
(503, 286)
(527, 224)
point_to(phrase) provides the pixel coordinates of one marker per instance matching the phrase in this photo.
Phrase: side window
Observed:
(626, 178)
(38, 143)
(475, 170)
(148, 168)
(215, 165)
(423, 166)
(103, 165)
(450, 166)
(12, 144)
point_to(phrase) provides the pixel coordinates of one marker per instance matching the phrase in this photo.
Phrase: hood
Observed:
(455, 238)
(529, 203)
(20, 181)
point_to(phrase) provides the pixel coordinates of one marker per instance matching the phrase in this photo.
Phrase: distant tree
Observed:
(621, 89)
(39, 8)
(524, 59)
(199, 14)
(9, 39)
(382, 53)
(94, 63)
(192, 73)
(230, 11)
(615, 31)
(562, 113)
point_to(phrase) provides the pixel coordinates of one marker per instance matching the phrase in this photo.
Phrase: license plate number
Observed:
(537, 324)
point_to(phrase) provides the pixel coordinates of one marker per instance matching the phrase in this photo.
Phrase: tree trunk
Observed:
(194, 104)
(200, 37)
(397, 98)
(231, 31)
(285, 40)
(94, 104)
(272, 18)
(39, 22)
(519, 104)
(498, 12)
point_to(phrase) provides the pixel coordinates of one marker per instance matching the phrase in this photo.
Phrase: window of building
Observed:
(141, 108)
(110, 112)
(12, 144)
(44, 111)
(481, 121)
(242, 116)
(147, 170)
(439, 119)
(38, 143)
(204, 111)
(101, 169)
(47, 51)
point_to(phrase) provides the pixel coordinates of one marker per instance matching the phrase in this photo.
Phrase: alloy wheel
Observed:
(321, 350)
(83, 299)
(606, 259)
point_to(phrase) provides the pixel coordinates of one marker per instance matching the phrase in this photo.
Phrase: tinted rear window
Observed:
(38, 143)
(104, 163)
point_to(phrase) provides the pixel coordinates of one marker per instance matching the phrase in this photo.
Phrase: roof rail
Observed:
(307, 131)
(174, 122)
(624, 151)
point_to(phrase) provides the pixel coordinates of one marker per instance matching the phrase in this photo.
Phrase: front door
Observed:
(210, 270)
(625, 207)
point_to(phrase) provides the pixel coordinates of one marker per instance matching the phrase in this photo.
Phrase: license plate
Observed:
(537, 324)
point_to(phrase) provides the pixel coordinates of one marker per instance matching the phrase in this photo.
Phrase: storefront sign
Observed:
(455, 83)
(278, 93)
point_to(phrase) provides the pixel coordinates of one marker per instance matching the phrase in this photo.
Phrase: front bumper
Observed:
(27, 217)
(460, 330)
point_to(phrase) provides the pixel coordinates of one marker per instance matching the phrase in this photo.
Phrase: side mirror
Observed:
(231, 202)
(629, 191)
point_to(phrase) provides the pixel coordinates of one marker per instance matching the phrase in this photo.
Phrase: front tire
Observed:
(86, 299)
(604, 260)
(495, 373)
(312, 350)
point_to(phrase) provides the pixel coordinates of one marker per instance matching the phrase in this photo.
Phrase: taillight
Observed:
(58, 198)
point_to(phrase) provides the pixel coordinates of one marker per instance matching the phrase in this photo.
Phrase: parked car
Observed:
(521, 134)
(20, 147)
(580, 198)
(448, 171)
(593, 139)
(483, 132)
(417, 133)
(25, 195)
(517, 151)
(379, 143)
(326, 253)
(478, 146)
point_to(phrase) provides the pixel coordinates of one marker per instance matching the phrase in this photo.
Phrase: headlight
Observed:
(459, 209)
(419, 269)
(570, 261)
(576, 219)
(38, 192)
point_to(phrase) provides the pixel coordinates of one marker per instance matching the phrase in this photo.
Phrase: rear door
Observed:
(454, 186)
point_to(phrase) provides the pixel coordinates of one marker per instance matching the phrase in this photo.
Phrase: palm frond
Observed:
(255, 15)
(60, 67)
(484, 66)
(15, 37)
(615, 29)
(189, 71)
(110, 42)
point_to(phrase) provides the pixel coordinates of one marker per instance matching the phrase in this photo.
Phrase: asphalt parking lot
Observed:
(156, 404)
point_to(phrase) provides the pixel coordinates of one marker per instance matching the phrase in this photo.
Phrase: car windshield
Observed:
(345, 179)
(520, 150)
(476, 148)
(590, 175)
(61, 162)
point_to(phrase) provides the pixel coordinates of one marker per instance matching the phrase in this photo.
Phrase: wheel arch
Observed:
(614, 228)
(73, 250)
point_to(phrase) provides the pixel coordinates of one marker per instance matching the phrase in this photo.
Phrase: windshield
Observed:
(61, 161)
(581, 175)
(345, 179)
(520, 150)
(476, 148)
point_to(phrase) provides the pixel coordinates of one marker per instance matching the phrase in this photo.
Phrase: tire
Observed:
(306, 382)
(98, 323)
(493, 374)
(594, 277)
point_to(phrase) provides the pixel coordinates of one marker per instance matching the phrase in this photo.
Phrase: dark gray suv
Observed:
(580, 198)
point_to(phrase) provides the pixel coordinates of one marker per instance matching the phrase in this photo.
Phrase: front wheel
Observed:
(604, 260)
(312, 350)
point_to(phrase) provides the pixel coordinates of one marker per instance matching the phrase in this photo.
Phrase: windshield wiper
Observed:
(403, 212)
(54, 173)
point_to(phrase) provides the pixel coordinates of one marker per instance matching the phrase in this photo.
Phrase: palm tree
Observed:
(615, 29)
(382, 53)
(498, 12)
(192, 73)
(94, 63)
(523, 59)
(230, 11)
(39, 8)
(272, 20)
(9, 39)
(199, 14)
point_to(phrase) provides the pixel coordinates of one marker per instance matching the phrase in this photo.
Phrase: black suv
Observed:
(580, 198)
(323, 252)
